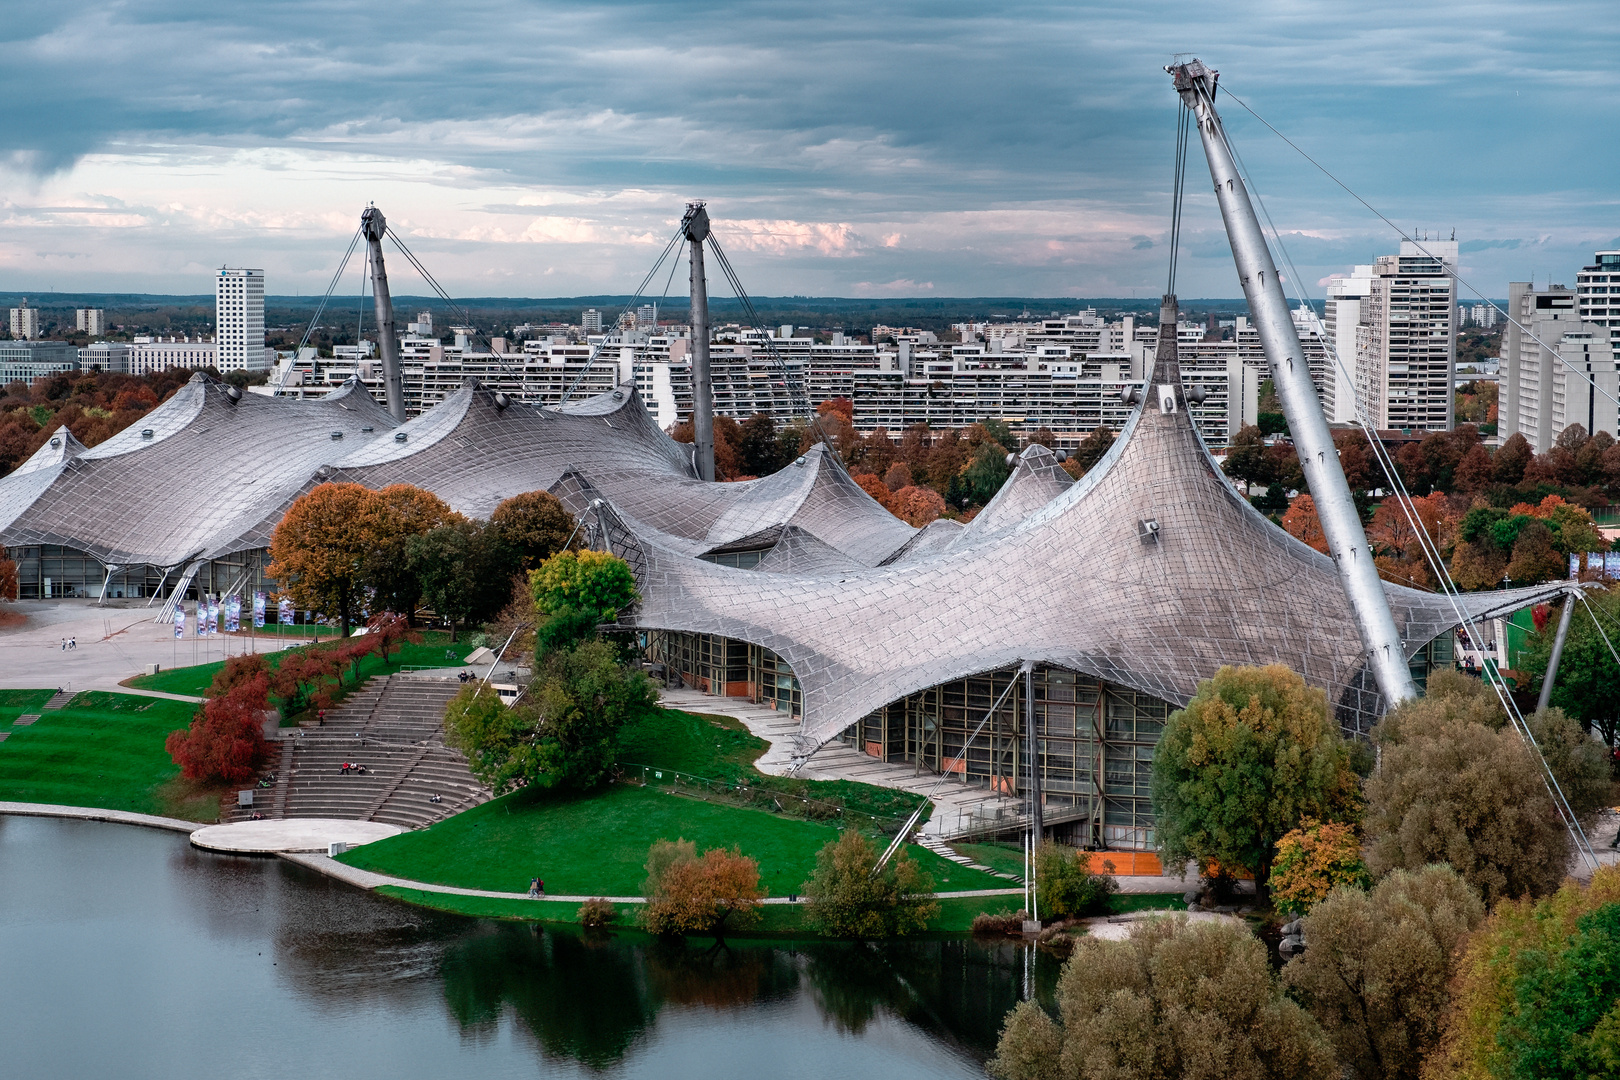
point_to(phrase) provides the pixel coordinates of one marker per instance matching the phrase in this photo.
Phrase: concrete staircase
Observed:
(394, 726)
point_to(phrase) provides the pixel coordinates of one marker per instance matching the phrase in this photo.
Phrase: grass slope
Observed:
(434, 650)
(596, 845)
(103, 750)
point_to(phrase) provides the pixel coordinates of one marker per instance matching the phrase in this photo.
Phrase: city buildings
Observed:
(590, 320)
(1341, 315)
(104, 356)
(25, 322)
(1559, 369)
(26, 361)
(1406, 338)
(239, 321)
(1597, 291)
(92, 321)
(150, 354)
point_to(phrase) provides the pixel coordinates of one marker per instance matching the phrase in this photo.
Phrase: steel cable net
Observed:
(1403, 497)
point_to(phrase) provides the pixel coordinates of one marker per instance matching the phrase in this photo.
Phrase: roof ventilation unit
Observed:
(234, 393)
(146, 433)
(336, 435)
(400, 436)
(502, 401)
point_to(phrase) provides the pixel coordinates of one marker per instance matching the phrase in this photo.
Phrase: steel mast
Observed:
(375, 226)
(696, 227)
(1341, 522)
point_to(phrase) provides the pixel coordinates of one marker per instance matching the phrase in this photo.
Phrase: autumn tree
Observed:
(8, 576)
(1511, 459)
(465, 570)
(225, 742)
(318, 552)
(1175, 999)
(876, 488)
(1312, 861)
(1097, 443)
(535, 526)
(916, 506)
(1455, 785)
(1538, 990)
(1303, 525)
(1251, 757)
(847, 896)
(1378, 965)
(897, 476)
(691, 895)
(595, 581)
(402, 512)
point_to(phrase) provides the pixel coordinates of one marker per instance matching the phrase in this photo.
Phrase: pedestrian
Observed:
(534, 887)
(64, 644)
(540, 886)
(73, 642)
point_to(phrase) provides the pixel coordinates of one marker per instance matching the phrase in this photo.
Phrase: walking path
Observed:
(365, 879)
(91, 813)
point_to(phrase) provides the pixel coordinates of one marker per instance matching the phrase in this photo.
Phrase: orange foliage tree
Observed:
(1302, 523)
(877, 489)
(318, 551)
(917, 506)
(1314, 859)
(686, 894)
(225, 742)
(8, 576)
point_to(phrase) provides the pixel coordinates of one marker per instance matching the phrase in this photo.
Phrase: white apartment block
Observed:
(92, 321)
(239, 320)
(591, 321)
(104, 356)
(1340, 316)
(1558, 370)
(25, 322)
(1406, 340)
(1597, 291)
(148, 355)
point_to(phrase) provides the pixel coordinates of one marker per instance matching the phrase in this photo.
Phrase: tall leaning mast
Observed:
(1268, 307)
(695, 226)
(374, 226)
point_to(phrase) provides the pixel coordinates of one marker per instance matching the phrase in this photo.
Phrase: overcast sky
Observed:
(853, 149)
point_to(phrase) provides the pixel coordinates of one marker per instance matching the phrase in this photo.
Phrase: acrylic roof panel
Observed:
(212, 466)
(1037, 478)
(1075, 584)
(58, 448)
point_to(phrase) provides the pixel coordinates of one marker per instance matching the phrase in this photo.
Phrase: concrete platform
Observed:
(290, 835)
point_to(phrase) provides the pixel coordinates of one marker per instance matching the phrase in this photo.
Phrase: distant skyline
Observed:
(941, 149)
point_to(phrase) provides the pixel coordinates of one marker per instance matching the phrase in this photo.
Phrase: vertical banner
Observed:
(213, 616)
(202, 618)
(258, 609)
(1574, 566)
(1611, 563)
(233, 614)
(179, 620)
(284, 610)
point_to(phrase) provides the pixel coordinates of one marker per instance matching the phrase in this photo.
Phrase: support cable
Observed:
(1427, 543)
(320, 308)
(1455, 274)
(1182, 126)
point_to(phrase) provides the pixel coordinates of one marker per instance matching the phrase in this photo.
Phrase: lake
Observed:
(125, 952)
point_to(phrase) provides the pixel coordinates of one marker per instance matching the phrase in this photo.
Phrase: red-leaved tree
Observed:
(225, 742)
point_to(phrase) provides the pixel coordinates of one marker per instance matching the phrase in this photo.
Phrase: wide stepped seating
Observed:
(394, 726)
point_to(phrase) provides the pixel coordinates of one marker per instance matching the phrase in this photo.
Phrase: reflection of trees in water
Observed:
(718, 976)
(959, 991)
(579, 1001)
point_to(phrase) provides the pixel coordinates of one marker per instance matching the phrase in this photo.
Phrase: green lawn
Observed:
(1008, 858)
(434, 650)
(955, 916)
(596, 845)
(103, 750)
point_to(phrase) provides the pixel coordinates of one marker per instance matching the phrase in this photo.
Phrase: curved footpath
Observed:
(363, 879)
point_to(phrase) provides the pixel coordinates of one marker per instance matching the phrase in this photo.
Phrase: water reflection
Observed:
(280, 949)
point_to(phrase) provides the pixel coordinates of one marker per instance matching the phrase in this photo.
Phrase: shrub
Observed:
(1455, 786)
(1175, 999)
(238, 670)
(1377, 965)
(225, 742)
(1066, 887)
(1538, 990)
(690, 895)
(846, 899)
(596, 913)
(1002, 924)
(1314, 859)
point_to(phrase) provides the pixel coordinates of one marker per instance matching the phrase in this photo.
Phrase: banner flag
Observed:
(179, 620)
(258, 609)
(233, 614)
(284, 610)
(1574, 566)
(1611, 563)
(213, 616)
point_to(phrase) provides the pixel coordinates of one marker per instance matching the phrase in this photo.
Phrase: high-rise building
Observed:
(1406, 340)
(1341, 315)
(25, 322)
(1558, 368)
(239, 319)
(92, 321)
(1597, 291)
(647, 317)
(590, 321)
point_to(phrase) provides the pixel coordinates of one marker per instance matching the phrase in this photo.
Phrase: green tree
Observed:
(564, 734)
(987, 471)
(1249, 759)
(535, 526)
(1455, 785)
(846, 899)
(403, 512)
(1378, 965)
(759, 446)
(1246, 459)
(1175, 999)
(1588, 683)
(594, 581)
(1065, 885)
(1538, 990)
(1089, 452)
(464, 569)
